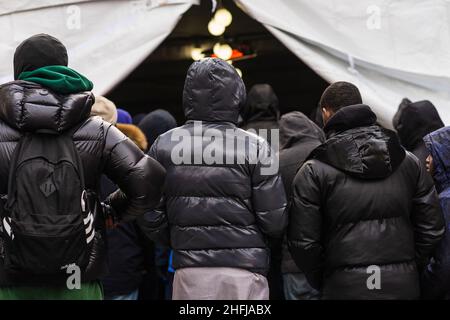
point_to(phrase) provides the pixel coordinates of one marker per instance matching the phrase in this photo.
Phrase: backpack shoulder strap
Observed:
(14, 162)
(70, 132)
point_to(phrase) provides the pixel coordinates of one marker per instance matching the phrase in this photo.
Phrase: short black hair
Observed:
(340, 94)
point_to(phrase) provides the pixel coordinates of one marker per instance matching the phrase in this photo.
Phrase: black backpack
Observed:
(47, 224)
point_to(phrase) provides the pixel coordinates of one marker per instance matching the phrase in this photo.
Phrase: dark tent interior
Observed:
(158, 81)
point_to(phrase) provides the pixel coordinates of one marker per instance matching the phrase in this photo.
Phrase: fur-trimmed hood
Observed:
(135, 134)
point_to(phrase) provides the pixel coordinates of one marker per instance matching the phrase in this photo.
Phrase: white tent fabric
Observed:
(389, 48)
(105, 39)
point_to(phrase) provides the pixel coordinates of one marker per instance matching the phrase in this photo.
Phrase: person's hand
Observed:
(429, 164)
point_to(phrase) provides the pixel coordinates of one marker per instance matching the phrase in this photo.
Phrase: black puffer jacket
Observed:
(28, 107)
(218, 214)
(299, 136)
(413, 121)
(362, 201)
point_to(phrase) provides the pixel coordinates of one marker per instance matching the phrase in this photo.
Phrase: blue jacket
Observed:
(436, 278)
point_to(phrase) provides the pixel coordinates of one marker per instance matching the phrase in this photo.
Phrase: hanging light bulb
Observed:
(197, 54)
(223, 51)
(223, 17)
(215, 28)
(239, 71)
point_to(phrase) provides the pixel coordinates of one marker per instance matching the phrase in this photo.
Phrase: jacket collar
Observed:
(354, 116)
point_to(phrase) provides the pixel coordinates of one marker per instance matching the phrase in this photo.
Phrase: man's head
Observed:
(156, 123)
(262, 104)
(336, 96)
(39, 51)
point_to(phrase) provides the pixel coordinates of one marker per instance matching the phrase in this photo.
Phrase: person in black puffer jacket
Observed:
(58, 106)
(129, 252)
(298, 137)
(413, 121)
(154, 124)
(261, 112)
(365, 217)
(218, 214)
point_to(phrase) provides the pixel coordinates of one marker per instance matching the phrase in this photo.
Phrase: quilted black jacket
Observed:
(218, 214)
(29, 107)
(362, 204)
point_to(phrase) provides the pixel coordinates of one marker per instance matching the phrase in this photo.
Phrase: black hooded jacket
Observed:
(261, 110)
(218, 214)
(299, 136)
(28, 107)
(361, 204)
(413, 121)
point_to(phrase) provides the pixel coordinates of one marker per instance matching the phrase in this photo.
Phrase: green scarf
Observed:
(60, 79)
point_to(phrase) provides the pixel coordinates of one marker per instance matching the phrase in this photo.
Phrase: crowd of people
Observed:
(353, 211)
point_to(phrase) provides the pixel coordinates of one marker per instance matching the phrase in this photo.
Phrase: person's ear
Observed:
(326, 115)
